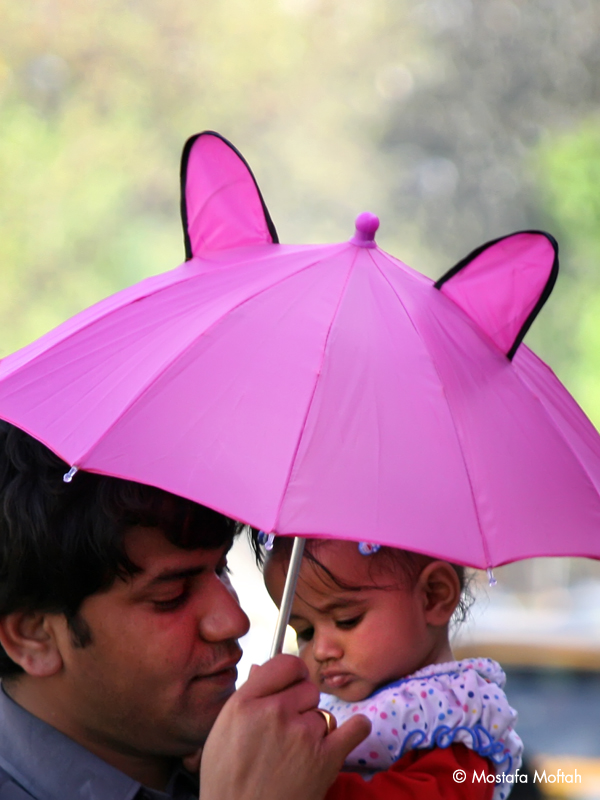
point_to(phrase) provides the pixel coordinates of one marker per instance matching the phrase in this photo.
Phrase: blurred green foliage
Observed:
(567, 169)
(97, 99)
(569, 177)
(438, 116)
(456, 121)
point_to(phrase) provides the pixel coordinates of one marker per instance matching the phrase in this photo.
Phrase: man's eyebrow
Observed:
(176, 574)
(180, 574)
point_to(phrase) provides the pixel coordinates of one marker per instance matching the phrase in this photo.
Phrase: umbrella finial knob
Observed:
(366, 226)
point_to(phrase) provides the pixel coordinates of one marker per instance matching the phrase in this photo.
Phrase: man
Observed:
(119, 628)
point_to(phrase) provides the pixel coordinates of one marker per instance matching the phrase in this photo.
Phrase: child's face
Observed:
(354, 642)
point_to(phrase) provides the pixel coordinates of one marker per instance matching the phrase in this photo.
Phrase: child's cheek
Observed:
(305, 653)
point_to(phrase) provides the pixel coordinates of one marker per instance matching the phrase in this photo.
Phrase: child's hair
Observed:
(405, 564)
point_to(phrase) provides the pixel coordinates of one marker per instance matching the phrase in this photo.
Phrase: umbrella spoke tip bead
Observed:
(366, 227)
(266, 539)
(491, 578)
(68, 476)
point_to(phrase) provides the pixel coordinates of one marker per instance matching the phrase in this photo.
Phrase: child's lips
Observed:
(336, 680)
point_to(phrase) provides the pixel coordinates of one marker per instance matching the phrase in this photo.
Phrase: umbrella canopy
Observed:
(324, 390)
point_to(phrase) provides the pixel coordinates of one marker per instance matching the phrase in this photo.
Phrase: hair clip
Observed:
(266, 539)
(367, 548)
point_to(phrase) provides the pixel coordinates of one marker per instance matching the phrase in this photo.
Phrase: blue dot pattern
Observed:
(437, 706)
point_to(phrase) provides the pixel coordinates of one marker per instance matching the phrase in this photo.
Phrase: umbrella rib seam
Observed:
(485, 549)
(552, 423)
(148, 292)
(155, 378)
(312, 396)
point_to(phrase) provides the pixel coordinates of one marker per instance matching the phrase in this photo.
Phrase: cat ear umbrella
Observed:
(324, 390)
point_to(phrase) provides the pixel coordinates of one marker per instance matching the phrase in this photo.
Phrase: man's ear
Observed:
(29, 640)
(440, 587)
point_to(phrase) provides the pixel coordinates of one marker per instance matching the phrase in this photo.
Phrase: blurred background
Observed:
(455, 121)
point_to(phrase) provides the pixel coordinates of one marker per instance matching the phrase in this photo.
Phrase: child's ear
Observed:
(29, 640)
(440, 587)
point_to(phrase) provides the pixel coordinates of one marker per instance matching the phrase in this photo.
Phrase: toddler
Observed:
(372, 628)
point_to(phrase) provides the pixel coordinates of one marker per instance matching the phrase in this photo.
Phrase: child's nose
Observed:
(326, 646)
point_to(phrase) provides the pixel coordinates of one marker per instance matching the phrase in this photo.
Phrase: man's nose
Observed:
(220, 614)
(326, 646)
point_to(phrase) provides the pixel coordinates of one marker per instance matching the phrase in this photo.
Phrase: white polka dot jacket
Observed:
(442, 704)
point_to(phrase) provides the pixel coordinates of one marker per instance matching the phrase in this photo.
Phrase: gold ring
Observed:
(330, 720)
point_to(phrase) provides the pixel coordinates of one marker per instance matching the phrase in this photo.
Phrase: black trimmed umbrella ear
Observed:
(503, 284)
(221, 204)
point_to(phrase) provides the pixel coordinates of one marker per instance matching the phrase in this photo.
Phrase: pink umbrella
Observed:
(324, 390)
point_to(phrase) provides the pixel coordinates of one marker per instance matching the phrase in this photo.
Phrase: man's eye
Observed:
(223, 569)
(172, 604)
(348, 624)
(306, 635)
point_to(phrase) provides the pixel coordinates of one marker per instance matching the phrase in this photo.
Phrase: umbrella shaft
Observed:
(288, 595)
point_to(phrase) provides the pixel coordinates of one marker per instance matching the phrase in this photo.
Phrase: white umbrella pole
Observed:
(288, 595)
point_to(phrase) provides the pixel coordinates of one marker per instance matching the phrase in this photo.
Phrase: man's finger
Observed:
(192, 762)
(274, 676)
(329, 719)
(302, 696)
(344, 739)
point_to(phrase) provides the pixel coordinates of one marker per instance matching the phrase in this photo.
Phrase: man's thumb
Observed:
(344, 739)
(192, 762)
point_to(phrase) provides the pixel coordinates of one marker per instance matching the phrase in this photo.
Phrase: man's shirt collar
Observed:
(51, 766)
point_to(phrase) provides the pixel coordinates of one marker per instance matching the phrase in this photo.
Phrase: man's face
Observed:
(162, 661)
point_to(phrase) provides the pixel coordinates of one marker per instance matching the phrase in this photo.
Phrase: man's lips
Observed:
(225, 671)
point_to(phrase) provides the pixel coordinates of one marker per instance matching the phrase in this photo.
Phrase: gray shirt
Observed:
(37, 761)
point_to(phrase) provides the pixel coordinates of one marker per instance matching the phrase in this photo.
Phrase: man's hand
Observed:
(269, 743)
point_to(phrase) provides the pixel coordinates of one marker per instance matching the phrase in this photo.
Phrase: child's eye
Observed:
(306, 635)
(348, 624)
(172, 604)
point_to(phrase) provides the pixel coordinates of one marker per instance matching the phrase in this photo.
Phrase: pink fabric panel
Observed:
(561, 408)
(533, 495)
(501, 286)
(222, 422)
(380, 459)
(423, 433)
(326, 391)
(223, 204)
(89, 372)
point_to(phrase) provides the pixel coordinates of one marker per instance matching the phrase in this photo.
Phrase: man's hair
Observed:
(61, 542)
